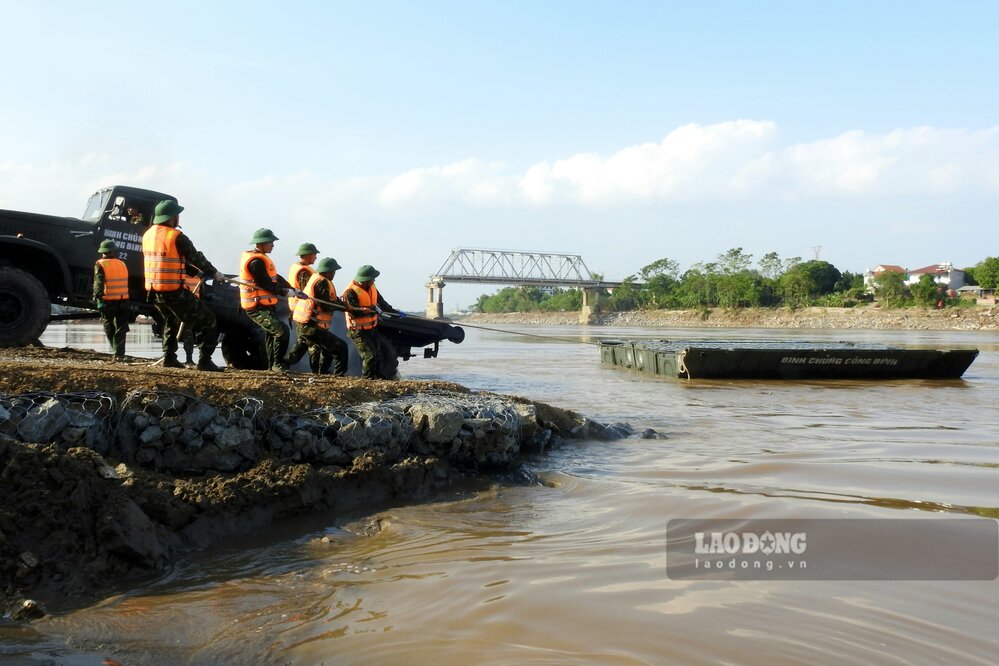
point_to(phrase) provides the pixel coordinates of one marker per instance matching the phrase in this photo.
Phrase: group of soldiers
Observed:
(170, 259)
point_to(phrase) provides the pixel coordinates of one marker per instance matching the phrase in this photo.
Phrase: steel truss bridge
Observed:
(538, 269)
(534, 269)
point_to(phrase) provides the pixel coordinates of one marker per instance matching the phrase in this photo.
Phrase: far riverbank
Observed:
(959, 319)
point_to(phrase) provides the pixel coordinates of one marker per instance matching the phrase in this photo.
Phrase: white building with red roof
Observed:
(878, 270)
(943, 274)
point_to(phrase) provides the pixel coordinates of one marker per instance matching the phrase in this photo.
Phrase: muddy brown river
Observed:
(575, 570)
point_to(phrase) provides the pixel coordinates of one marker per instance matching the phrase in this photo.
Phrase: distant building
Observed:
(978, 294)
(943, 274)
(869, 276)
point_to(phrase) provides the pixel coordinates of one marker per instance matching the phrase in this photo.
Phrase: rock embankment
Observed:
(962, 319)
(107, 472)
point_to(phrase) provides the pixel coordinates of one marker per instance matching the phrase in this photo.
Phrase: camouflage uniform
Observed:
(331, 350)
(182, 307)
(178, 308)
(276, 334)
(378, 357)
(316, 359)
(325, 349)
(115, 315)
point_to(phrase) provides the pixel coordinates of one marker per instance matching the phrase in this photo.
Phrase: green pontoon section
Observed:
(782, 360)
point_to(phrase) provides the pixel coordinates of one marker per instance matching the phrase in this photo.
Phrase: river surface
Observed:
(574, 571)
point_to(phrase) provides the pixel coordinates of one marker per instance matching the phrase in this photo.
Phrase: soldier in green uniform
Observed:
(298, 276)
(259, 290)
(134, 215)
(312, 322)
(169, 255)
(111, 296)
(364, 305)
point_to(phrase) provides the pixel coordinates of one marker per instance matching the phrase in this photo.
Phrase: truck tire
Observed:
(24, 307)
(243, 350)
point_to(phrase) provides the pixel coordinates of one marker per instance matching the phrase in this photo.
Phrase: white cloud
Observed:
(725, 179)
(739, 159)
(470, 180)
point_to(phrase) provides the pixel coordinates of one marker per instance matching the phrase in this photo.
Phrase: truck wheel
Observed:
(24, 307)
(243, 350)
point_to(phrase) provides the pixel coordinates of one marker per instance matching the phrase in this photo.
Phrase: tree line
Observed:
(733, 281)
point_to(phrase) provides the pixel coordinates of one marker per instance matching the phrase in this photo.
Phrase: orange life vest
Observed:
(115, 279)
(164, 267)
(293, 272)
(192, 284)
(308, 310)
(253, 297)
(366, 298)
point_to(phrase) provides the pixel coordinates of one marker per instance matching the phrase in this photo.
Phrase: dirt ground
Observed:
(60, 370)
(74, 526)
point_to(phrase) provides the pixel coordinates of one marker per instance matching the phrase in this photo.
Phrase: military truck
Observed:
(48, 260)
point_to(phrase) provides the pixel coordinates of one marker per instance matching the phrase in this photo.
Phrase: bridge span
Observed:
(517, 268)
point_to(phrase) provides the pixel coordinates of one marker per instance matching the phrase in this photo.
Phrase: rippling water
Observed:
(575, 571)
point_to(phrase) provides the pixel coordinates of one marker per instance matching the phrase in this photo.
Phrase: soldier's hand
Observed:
(219, 277)
(301, 294)
(377, 310)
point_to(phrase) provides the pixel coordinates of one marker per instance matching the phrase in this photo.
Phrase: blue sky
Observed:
(389, 133)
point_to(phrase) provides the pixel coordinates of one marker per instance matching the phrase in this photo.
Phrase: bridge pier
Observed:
(435, 299)
(591, 305)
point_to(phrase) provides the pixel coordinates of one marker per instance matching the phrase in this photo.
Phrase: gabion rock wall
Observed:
(66, 419)
(181, 433)
(335, 436)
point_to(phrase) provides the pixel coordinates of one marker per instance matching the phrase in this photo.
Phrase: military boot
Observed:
(207, 365)
(172, 362)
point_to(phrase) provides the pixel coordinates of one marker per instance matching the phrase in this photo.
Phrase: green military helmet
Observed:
(263, 235)
(327, 265)
(166, 210)
(107, 246)
(366, 273)
(307, 248)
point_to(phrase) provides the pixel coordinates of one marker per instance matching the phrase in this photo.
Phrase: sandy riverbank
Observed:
(76, 525)
(960, 319)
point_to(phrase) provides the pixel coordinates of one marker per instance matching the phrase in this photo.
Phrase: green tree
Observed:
(890, 287)
(849, 281)
(660, 279)
(795, 287)
(927, 292)
(696, 287)
(822, 275)
(563, 300)
(735, 284)
(627, 296)
(987, 272)
(969, 276)
(770, 266)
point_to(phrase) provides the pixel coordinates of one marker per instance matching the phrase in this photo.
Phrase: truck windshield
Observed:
(98, 201)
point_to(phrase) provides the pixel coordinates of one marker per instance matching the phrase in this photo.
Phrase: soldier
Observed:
(258, 295)
(364, 304)
(168, 257)
(298, 276)
(134, 215)
(312, 322)
(301, 271)
(111, 295)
